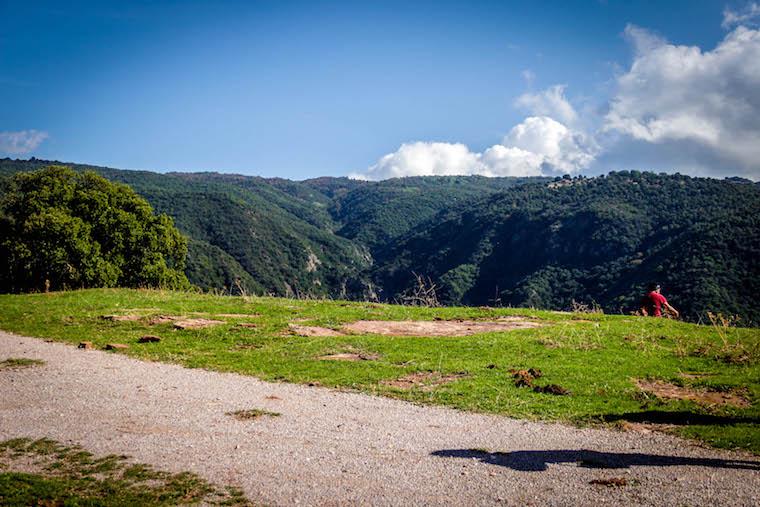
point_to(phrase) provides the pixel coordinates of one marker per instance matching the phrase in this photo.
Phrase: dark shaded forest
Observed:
(538, 242)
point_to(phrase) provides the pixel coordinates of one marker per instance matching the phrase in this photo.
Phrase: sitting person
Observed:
(653, 302)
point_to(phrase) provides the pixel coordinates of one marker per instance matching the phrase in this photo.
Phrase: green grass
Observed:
(45, 472)
(597, 360)
(253, 413)
(19, 362)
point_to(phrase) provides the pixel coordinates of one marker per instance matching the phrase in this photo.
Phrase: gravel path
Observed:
(337, 448)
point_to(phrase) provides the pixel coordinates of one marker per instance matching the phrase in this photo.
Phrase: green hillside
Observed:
(375, 214)
(246, 232)
(482, 241)
(594, 240)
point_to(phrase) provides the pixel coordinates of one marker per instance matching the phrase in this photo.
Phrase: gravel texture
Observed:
(338, 448)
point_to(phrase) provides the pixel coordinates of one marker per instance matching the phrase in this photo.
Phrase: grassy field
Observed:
(598, 358)
(45, 472)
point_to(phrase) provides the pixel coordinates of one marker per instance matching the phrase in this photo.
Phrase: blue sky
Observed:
(379, 89)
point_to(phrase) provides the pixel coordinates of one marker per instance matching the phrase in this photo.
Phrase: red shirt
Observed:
(656, 301)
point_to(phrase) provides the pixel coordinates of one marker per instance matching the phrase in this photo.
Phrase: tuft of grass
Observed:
(595, 356)
(253, 413)
(19, 362)
(45, 472)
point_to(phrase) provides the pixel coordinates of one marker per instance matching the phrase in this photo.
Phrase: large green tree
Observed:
(60, 229)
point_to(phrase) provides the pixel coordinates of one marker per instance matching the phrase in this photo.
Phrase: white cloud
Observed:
(510, 161)
(677, 94)
(425, 159)
(537, 146)
(562, 150)
(550, 102)
(748, 16)
(21, 142)
(676, 108)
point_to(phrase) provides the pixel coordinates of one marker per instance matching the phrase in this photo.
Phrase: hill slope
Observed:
(599, 240)
(498, 241)
(245, 231)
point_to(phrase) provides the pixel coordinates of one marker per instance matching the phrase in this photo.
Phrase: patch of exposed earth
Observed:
(437, 327)
(425, 380)
(666, 390)
(312, 330)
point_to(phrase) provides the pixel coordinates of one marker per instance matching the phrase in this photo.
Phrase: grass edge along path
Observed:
(597, 359)
(46, 472)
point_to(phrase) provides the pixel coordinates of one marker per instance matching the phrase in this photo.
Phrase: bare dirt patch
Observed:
(313, 330)
(350, 356)
(196, 323)
(666, 390)
(525, 378)
(165, 319)
(423, 380)
(437, 327)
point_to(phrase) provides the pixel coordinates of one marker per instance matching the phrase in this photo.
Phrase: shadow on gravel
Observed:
(678, 418)
(537, 461)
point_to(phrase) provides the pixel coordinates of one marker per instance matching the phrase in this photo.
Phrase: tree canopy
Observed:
(61, 229)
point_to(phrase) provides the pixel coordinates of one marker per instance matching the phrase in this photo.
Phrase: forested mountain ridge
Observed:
(510, 241)
(244, 232)
(376, 214)
(599, 239)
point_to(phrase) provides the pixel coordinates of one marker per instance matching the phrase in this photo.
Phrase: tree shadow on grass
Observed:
(683, 418)
(537, 461)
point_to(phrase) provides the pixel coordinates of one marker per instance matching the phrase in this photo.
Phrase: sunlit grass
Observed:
(597, 357)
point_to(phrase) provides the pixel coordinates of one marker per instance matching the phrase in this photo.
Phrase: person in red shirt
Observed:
(653, 303)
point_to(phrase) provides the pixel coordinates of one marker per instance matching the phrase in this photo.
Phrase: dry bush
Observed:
(422, 293)
(578, 307)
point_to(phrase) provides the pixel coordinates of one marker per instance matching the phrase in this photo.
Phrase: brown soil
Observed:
(554, 389)
(196, 323)
(313, 330)
(164, 319)
(437, 327)
(350, 356)
(525, 378)
(706, 397)
(425, 381)
(247, 324)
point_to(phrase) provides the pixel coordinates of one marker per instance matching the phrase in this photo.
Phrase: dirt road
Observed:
(337, 448)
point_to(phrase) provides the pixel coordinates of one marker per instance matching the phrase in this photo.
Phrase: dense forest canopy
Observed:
(538, 242)
(62, 230)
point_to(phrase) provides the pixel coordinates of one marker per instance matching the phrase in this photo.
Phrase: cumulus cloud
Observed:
(424, 159)
(680, 94)
(21, 142)
(550, 102)
(676, 108)
(537, 146)
(748, 16)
